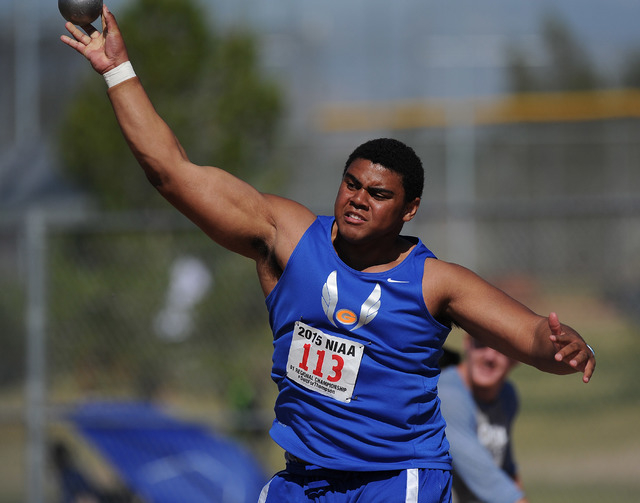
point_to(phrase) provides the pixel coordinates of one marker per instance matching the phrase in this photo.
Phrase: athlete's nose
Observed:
(359, 198)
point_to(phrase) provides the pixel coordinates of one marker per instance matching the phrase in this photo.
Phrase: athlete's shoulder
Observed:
(290, 220)
(287, 212)
(444, 283)
(448, 276)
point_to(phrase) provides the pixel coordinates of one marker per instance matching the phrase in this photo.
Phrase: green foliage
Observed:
(12, 330)
(109, 287)
(100, 311)
(207, 87)
(571, 68)
(568, 65)
(631, 75)
(169, 42)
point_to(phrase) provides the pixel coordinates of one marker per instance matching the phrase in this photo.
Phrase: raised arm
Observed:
(229, 210)
(455, 294)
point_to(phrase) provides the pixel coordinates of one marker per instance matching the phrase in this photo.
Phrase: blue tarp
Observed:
(168, 460)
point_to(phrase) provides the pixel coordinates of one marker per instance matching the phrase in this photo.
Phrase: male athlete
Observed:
(358, 312)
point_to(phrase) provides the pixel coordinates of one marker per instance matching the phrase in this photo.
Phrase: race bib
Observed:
(324, 363)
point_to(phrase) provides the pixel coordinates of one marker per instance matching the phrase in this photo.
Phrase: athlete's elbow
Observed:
(161, 171)
(156, 177)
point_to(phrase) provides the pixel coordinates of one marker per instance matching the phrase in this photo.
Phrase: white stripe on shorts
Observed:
(412, 485)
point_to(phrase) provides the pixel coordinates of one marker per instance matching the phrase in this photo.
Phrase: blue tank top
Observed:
(356, 361)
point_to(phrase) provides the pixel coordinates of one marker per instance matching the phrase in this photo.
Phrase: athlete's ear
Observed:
(411, 209)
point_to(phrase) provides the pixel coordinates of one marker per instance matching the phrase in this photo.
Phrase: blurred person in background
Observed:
(359, 312)
(479, 405)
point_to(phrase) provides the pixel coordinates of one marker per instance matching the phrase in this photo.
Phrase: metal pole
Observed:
(460, 184)
(36, 356)
(27, 89)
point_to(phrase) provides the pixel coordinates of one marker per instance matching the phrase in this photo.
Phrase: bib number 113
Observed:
(324, 363)
(317, 371)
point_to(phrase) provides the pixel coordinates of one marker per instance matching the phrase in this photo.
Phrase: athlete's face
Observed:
(370, 202)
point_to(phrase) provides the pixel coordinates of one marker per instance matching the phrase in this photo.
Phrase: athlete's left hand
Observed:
(571, 348)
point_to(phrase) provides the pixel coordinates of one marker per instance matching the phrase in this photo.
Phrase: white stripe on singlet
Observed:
(412, 485)
(264, 493)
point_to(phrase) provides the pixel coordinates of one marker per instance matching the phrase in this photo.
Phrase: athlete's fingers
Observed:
(576, 353)
(90, 30)
(74, 30)
(103, 16)
(109, 20)
(590, 367)
(554, 324)
(571, 348)
(78, 46)
(569, 351)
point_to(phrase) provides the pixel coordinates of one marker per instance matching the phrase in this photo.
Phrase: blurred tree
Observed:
(12, 332)
(631, 73)
(568, 65)
(208, 87)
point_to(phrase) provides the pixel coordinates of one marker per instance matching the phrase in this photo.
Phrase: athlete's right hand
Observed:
(104, 50)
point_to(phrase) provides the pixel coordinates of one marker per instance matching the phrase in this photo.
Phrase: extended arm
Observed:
(229, 210)
(457, 295)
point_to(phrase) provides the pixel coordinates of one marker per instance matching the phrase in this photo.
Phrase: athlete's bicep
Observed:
(461, 297)
(232, 212)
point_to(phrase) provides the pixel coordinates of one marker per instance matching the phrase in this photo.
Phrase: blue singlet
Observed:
(356, 362)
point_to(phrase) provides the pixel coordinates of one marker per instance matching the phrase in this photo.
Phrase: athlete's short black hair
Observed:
(395, 156)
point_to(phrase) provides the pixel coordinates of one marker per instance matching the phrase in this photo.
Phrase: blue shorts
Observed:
(302, 483)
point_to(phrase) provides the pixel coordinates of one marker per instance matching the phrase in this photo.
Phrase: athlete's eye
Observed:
(379, 195)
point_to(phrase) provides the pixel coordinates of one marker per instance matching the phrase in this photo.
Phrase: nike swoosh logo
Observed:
(389, 280)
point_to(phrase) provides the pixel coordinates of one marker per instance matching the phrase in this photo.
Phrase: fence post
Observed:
(35, 227)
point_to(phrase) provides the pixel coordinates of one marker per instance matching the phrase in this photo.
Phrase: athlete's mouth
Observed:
(354, 216)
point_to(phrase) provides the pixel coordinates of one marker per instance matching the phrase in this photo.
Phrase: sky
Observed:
(345, 51)
(403, 48)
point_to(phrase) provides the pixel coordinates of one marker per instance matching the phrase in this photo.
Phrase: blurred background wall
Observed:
(525, 115)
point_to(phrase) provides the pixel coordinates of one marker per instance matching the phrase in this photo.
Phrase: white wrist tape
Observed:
(119, 74)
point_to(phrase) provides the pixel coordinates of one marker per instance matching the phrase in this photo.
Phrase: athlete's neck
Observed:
(369, 257)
